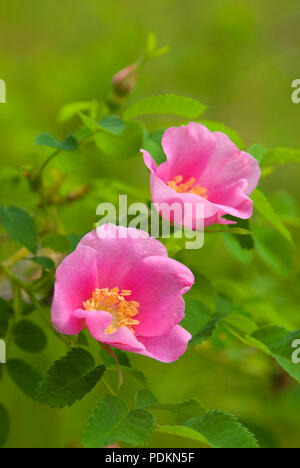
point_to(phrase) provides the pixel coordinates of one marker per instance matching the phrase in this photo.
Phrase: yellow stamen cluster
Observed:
(187, 187)
(114, 302)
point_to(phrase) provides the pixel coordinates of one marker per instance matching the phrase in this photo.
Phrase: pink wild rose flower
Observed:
(204, 167)
(121, 285)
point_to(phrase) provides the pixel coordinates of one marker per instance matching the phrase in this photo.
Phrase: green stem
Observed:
(108, 387)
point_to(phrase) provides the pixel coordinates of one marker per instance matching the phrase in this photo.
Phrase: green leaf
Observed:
(70, 110)
(200, 322)
(144, 398)
(197, 316)
(82, 339)
(70, 379)
(258, 151)
(4, 425)
(239, 253)
(111, 421)
(111, 124)
(183, 409)
(152, 144)
(45, 262)
(19, 226)
(70, 143)
(29, 337)
(281, 156)
(24, 376)
(123, 146)
(245, 238)
(267, 242)
(265, 208)
(166, 104)
(57, 242)
(222, 430)
(74, 240)
(6, 313)
(185, 432)
(278, 342)
(219, 127)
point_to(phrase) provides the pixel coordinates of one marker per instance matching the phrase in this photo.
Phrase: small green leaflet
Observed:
(123, 146)
(183, 409)
(216, 429)
(29, 337)
(222, 430)
(111, 421)
(69, 379)
(45, 262)
(166, 104)
(24, 376)
(70, 143)
(152, 144)
(279, 342)
(200, 322)
(258, 151)
(19, 226)
(245, 238)
(4, 424)
(111, 124)
(72, 109)
(265, 208)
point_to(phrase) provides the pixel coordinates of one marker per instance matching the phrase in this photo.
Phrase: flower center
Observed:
(187, 187)
(114, 302)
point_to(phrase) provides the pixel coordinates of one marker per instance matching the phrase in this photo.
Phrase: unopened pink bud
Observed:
(124, 81)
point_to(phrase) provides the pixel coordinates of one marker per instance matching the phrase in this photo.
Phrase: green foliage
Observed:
(222, 430)
(19, 226)
(166, 104)
(123, 146)
(281, 156)
(216, 429)
(44, 262)
(242, 312)
(112, 421)
(4, 424)
(29, 336)
(263, 205)
(24, 376)
(258, 152)
(183, 410)
(69, 379)
(200, 322)
(70, 143)
(111, 124)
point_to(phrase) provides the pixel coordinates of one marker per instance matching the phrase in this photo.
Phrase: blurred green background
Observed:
(239, 58)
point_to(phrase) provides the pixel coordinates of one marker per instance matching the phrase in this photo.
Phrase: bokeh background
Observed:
(239, 58)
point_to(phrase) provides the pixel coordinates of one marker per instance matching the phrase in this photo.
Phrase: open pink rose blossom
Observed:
(205, 167)
(121, 285)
